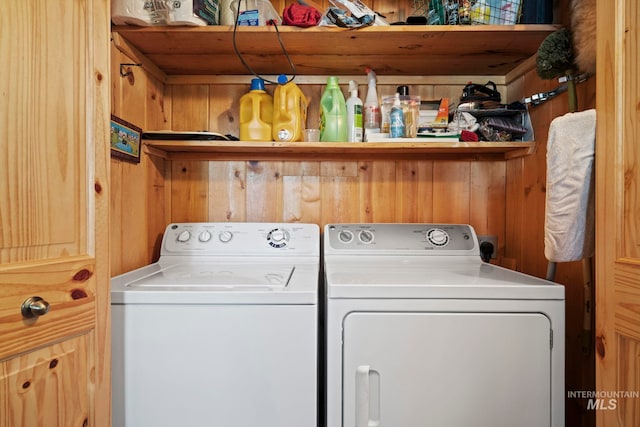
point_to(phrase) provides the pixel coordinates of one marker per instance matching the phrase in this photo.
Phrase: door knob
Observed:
(34, 307)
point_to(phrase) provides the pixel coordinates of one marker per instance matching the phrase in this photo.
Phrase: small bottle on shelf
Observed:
(372, 116)
(396, 119)
(354, 114)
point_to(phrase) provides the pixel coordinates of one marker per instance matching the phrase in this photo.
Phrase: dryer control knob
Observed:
(225, 236)
(365, 236)
(205, 236)
(345, 236)
(184, 236)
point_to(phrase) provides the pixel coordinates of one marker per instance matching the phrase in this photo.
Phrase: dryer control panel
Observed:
(241, 239)
(456, 239)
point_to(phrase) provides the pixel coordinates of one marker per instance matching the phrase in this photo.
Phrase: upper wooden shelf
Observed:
(393, 50)
(336, 151)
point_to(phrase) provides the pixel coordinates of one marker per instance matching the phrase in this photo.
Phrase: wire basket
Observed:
(478, 12)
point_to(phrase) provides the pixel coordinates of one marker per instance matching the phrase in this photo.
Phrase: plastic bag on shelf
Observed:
(351, 14)
(135, 12)
(164, 12)
(252, 13)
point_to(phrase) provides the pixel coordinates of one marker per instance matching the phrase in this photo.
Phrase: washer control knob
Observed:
(184, 236)
(205, 236)
(437, 237)
(278, 238)
(277, 235)
(225, 236)
(345, 236)
(365, 236)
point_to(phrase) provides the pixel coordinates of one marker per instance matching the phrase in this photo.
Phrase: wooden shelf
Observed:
(190, 52)
(314, 151)
(393, 50)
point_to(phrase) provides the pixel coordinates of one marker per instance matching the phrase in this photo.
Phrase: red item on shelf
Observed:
(300, 16)
(468, 136)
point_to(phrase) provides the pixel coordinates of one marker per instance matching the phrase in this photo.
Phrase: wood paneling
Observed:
(366, 191)
(47, 387)
(628, 363)
(54, 213)
(326, 191)
(189, 188)
(414, 191)
(43, 190)
(226, 191)
(139, 209)
(618, 208)
(66, 285)
(487, 198)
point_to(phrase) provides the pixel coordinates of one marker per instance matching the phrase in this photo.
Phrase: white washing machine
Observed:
(421, 332)
(221, 331)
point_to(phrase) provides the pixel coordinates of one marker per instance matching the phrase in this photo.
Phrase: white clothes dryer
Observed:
(420, 331)
(221, 331)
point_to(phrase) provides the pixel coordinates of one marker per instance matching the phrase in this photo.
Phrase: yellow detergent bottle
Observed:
(256, 113)
(289, 111)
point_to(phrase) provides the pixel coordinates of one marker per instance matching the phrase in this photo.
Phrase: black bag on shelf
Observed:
(473, 92)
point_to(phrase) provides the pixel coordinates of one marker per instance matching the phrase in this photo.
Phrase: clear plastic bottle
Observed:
(396, 119)
(256, 113)
(333, 113)
(372, 116)
(355, 130)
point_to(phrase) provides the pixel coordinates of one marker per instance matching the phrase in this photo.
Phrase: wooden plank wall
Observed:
(325, 191)
(138, 214)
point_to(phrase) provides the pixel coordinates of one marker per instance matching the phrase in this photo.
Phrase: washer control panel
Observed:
(400, 237)
(241, 239)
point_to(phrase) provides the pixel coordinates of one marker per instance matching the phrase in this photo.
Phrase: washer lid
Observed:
(421, 277)
(216, 276)
(218, 283)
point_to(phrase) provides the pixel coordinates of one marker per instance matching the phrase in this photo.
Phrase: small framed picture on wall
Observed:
(125, 140)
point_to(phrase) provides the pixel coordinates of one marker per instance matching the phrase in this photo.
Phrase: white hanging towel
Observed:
(569, 233)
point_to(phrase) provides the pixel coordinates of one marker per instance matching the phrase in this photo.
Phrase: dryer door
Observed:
(447, 369)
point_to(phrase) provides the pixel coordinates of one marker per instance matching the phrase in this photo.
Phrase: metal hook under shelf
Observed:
(539, 98)
(124, 72)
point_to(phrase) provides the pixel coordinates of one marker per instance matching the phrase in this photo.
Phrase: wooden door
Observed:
(54, 265)
(618, 215)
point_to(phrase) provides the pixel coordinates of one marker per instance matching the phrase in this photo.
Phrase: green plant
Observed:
(555, 58)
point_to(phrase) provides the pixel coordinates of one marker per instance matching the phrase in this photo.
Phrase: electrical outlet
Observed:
(493, 240)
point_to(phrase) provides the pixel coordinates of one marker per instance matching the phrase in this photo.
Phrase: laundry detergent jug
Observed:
(333, 113)
(289, 111)
(256, 113)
